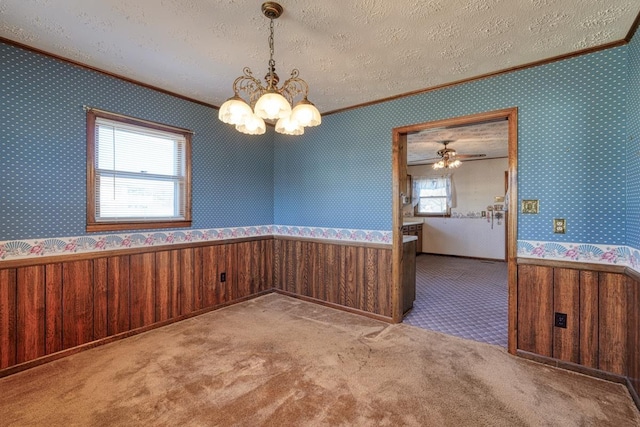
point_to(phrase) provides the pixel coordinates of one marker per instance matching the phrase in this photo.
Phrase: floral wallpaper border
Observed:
(581, 252)
(18, 249)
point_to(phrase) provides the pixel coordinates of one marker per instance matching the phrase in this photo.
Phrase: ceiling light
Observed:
(447, 163)
(270, 102)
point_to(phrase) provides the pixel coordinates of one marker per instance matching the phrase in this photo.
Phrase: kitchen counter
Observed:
(406, 239)
(411, 222)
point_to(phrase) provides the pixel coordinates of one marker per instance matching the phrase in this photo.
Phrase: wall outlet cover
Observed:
(530, 206)
(559, 225)
(561, 320)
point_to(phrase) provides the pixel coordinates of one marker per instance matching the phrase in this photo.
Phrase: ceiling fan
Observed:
(447, 158)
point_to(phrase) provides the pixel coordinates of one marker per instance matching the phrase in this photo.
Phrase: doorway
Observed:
(399, 174)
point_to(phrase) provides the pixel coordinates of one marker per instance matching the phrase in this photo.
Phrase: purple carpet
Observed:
(463, 297)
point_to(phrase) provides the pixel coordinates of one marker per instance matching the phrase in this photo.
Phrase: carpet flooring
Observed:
(279, 361)
(462, 297)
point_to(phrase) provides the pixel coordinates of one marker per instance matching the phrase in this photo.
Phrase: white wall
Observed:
(476, 183)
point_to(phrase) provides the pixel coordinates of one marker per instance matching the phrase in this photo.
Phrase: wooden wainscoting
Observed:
(49, 306)
(354, 277)
(602, 304)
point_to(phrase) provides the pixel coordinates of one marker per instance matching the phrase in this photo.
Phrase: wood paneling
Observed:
(589, 319)
(317, 271)
(214, 262)
(47, 308)
(266, 269)
(332, 273)
(31, 313)
(77, 303)
(100, 298)
(278, 264)
(186, 290)
(167, 282)
(7, 318)
(535, 309)
(142, 271)
(343, 278)
(612, 324)
(633, 333)
(357, 277)
(53, 297)
(118, 319)
(566, 297)
(383, 299)
(246, 277)
(254, 267)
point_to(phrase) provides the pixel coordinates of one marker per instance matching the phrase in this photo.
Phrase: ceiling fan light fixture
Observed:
(446, 164)
(270, 102)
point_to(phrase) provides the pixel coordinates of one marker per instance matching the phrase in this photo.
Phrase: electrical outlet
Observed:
(561, 320)
(559, 225)
(223, 277)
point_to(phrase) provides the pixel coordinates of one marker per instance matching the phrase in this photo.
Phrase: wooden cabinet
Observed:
(408, 276)
(414, 230)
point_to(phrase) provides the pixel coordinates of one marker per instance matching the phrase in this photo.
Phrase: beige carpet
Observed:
(278, 361)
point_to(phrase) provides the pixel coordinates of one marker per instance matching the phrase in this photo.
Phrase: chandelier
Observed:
(270, 102)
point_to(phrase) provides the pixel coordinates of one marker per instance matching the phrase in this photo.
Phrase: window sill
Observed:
(121, 226)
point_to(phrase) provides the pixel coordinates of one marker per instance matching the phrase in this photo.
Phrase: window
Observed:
(433, 196)
(138, 174)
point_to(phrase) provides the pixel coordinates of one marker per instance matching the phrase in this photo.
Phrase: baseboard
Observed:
(463, 256)
(336, 306)
(592, 372)
(574, 367)
(634, 393)
(97, 343)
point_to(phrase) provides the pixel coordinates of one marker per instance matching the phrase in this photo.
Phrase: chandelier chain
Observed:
(272, 63)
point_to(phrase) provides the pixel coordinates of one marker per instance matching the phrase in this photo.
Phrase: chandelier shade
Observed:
(289, 126)
(306, 114)
(272, 106)
(234, 111)
(270, 102)
(252, 125)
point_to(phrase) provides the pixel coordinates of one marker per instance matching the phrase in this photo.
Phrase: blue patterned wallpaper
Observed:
(571, 119)
(43, 149)
(633, 143)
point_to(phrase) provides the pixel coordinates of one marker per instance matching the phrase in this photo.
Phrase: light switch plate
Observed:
(559, 225)
(530, 206)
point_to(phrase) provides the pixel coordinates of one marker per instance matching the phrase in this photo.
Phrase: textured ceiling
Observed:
(490, 139)
(350, 52)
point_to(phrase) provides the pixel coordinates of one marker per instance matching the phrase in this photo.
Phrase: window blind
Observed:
(140, 173)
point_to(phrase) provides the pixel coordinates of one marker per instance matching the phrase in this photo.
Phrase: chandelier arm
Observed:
(294, 86)
(249, 85)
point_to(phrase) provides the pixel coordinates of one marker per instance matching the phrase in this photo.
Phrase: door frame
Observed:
(399, 174)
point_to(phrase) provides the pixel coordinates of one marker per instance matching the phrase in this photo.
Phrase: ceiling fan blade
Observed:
(426, 160)
(469, 156)
(419, 163)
